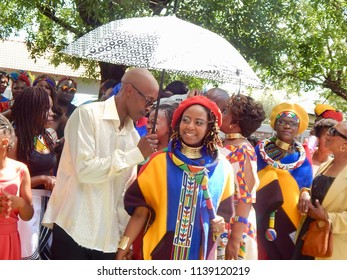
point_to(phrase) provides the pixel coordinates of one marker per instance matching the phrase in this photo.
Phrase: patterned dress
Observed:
(282, 175)
(9, 236)
(173, 188)
(247, 194)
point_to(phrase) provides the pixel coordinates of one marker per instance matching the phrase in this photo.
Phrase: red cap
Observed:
(197, 100)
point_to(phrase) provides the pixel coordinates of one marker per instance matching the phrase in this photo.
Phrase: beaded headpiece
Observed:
(288, 114)
(294, 109)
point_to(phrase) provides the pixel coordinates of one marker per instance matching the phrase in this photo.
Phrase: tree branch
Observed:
(49, 12)
(335, 85)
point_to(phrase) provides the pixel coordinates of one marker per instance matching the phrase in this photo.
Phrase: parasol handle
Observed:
(175, 7)
(158, 101)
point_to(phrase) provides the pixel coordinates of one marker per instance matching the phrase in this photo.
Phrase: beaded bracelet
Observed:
(239, 219)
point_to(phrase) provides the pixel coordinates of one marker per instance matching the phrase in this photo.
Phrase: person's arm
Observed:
(136, 223)
(46, 180)
(316, 211)
(81, 142)
(304, 200)
(26, 212)
(23, 202)
(240, 220)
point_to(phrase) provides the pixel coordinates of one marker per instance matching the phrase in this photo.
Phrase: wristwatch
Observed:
(123, 243)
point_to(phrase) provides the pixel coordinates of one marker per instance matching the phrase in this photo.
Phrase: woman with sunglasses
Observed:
(329, 195)
(321, 154)
(285, 172)
(66, 89)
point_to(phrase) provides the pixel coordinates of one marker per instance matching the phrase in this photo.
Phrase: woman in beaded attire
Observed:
(285, 173)
(242, 116)
(33, 145)
(181, 190)
(328, 197)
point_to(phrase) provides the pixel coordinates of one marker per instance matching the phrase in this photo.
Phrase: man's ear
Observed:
(128, 89)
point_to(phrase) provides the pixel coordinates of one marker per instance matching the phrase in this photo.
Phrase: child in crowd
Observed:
(15, 195)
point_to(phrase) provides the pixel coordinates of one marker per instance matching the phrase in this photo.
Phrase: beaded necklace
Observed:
(39, 144)
(273, 155)
(195, 176)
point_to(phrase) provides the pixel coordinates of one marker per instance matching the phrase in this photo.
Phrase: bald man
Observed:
(219, 96)
(99, 160)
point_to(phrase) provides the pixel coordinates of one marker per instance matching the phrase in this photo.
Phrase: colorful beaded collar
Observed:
(277, 164)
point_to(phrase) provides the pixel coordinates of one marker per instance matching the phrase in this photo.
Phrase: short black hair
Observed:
(177, 87)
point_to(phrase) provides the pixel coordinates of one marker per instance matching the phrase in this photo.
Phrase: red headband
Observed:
(197, 100)
(23, 77)
(335, 115)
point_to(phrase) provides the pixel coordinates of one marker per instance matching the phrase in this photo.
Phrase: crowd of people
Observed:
(127, 178)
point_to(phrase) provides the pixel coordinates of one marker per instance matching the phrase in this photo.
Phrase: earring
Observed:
(342, 148)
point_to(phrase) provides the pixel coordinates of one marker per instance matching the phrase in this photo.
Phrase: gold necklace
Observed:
(282, 145)
(191, 152)
(231, 136)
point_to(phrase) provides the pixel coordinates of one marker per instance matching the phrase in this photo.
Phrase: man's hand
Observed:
(148, 144)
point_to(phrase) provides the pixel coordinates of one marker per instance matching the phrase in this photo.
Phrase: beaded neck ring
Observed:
(191, 152)
(283, 145)
(270, 159)
(231, 136)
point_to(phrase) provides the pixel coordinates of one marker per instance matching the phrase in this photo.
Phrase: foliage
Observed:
(297, 45)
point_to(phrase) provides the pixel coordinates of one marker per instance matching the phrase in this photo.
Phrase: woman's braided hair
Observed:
(29, 118)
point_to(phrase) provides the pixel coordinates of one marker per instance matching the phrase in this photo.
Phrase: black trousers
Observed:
(65, 248)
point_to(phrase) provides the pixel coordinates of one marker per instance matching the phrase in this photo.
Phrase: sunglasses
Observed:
(333, 132)
(149, 102)
(68, 89)
(292, 124)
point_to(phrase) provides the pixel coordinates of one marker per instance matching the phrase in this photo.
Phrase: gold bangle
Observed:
(123, 243)
(308, 190)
